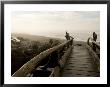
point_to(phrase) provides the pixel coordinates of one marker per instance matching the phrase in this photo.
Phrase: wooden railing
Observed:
(94, 50)
(31, 65)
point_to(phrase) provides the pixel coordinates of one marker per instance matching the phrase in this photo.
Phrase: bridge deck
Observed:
(80, 64)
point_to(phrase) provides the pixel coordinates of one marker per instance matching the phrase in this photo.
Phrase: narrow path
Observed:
(80, 64)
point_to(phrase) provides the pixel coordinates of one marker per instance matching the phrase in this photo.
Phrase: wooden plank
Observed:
(83, 66)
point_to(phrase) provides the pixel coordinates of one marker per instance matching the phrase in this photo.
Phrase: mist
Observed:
(80, 24)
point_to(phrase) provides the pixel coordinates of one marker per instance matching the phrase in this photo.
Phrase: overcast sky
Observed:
(79, 24)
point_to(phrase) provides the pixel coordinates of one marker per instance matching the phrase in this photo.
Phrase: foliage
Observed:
(23, 51)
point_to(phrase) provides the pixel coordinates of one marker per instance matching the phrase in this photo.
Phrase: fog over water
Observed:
(80, 24)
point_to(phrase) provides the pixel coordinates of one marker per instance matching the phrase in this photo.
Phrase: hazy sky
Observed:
(79, 24)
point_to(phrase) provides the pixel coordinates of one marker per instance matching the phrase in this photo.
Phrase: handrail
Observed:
(30, 65)
(94, 53)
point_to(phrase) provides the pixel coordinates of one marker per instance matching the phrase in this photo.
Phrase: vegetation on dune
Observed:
(23, 51)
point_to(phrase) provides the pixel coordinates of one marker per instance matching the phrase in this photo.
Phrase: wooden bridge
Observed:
(65, 60)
